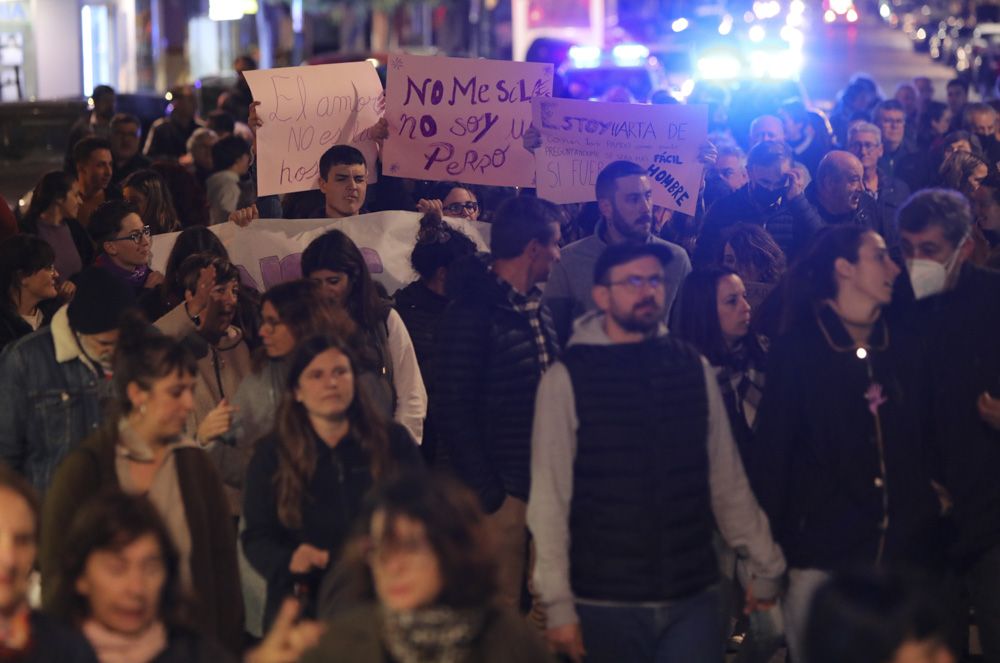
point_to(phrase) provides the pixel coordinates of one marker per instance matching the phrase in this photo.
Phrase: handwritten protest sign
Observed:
(269, 251)
(460, 119)
(579, 138)
(307, 110)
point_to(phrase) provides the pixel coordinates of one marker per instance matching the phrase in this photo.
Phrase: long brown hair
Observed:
(297, 448)
(303, 309)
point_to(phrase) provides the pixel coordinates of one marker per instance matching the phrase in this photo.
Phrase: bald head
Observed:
(767, 128)
(839, 182)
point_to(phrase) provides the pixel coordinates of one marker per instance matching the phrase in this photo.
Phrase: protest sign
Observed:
(269, 251)
(307, 110)
(459, 119)
(579, 138)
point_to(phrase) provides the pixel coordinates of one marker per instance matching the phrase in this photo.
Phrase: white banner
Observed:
(306, 111)
(269, 251)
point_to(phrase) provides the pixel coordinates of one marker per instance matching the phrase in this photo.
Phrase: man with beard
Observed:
(981, 120)
(94, 167)
(625, 200)
(772, 199)
(125, 129)
(205, 317)
(633, 464)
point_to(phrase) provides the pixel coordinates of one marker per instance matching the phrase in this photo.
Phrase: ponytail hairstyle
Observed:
(53, 187)
(297, 450)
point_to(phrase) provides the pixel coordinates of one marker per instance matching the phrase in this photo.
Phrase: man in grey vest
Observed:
(632, 466)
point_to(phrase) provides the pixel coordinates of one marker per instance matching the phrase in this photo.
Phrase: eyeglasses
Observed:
(864, 147)
(636, 283)
(458, 208)
(136, 235)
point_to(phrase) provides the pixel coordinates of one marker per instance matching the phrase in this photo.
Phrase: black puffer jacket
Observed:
(792, 224)
(868, 214)
(486, 374)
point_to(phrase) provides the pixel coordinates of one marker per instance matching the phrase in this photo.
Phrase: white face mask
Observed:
(929, 277)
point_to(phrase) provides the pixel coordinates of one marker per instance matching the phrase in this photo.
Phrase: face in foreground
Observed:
(123, 587)
(405, 568)
(17, 550)
(326, 386)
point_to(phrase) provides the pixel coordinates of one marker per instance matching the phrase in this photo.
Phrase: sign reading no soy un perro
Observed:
(306, 111)
(579, 138)
(461, 119)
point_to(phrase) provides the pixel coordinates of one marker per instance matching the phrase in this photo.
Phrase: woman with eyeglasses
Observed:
(421, 304)
(141, 449)
(27, 286)
(451, 199)
(124, 242)
(52, 217)
(839, 460)
(307, 479)
(426, 571)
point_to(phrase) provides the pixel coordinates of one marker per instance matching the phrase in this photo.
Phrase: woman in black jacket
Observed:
(837, 462)
(421, 304)
(307, 480)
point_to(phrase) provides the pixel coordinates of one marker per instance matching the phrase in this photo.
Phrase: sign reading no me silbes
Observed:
(461, 119)
(306, 111)
(579, 138)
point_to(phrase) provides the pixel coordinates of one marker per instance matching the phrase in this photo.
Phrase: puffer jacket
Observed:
(486, 372)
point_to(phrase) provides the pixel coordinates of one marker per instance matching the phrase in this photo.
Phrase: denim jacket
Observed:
(50, 400)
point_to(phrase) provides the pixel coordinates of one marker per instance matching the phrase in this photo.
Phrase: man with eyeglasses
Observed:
(625, 200)
(123, 242)
(632, 466)
(900, 157)
(864, 140)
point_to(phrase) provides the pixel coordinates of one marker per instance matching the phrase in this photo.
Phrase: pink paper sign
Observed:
(308, 110)
(579, 138)
(461, 119)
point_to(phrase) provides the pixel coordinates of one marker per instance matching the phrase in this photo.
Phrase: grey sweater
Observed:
(553, 451)
(567, 292)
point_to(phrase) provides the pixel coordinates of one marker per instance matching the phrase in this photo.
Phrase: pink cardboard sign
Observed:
(579, 138)
(306, 111)
(461, 119)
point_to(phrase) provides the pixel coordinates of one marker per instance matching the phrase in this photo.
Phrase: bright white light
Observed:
(687, 87)
(829, 16)
(225, 10)
(719, 66)
(680, 25)
(841, 6)
(775, 64)
(796, 7)
(861, 353)
(921, 34)
(630, 54)
(795, 20)
(765, 9)
(793, 36)
(852, 15)
(756, 33)
(372, 61)
(726, 25)
(585, 56)
(884, 11)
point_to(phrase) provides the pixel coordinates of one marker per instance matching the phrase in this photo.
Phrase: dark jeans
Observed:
(983, 584)
(678, 632)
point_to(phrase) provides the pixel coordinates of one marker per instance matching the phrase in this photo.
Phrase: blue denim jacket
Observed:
(50, 400)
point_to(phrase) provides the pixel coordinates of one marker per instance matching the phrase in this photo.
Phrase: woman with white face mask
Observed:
(838, 459)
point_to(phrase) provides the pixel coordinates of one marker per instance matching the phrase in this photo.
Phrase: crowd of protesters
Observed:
(622, 434)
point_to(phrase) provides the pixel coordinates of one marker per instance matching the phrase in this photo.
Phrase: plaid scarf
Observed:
(436, 634)
(530, 306)
(742, 383)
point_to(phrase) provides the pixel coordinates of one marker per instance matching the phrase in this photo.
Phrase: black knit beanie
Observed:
(99, 302)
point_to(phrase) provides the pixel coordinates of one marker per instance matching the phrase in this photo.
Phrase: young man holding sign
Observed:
(625, 200)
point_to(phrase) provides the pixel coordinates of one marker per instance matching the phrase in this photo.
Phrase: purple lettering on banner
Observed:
(246, 279)
(373, 260)
(291, 267)
(270, 271)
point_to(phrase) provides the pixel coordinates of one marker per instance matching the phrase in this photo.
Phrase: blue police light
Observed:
(585, 57)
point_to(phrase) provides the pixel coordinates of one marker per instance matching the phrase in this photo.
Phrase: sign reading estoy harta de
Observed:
(579, 138)
(307, 110)
(461, 119)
